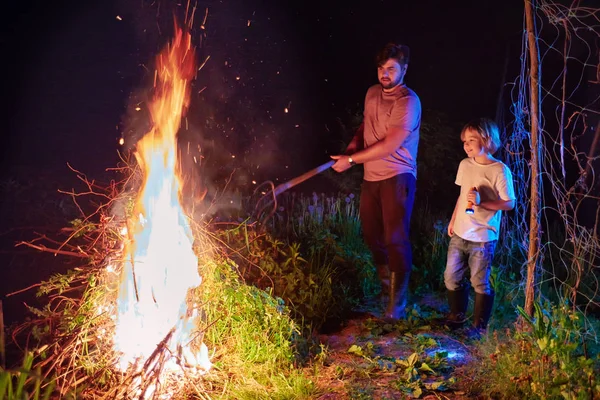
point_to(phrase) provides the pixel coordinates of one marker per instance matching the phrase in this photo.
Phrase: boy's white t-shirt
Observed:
(493, 182)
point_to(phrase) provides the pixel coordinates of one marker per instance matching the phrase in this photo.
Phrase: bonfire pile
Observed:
(127, 322)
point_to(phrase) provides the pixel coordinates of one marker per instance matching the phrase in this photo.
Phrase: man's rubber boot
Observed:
(383, 272)
(398, 293)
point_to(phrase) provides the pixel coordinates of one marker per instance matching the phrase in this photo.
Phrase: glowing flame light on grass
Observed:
(160, 271)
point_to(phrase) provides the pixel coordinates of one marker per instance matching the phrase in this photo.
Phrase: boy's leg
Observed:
(372, 226)
(397, 200)
(457, 292)
(480, 263)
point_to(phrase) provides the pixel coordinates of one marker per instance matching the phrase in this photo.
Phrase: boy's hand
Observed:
(474, 197)
(451, 229)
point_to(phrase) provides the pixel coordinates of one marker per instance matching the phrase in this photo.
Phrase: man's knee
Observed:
(399, 245)
(379, 256)
(400, 256)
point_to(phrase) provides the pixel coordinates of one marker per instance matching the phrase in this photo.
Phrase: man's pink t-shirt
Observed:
(400, 108)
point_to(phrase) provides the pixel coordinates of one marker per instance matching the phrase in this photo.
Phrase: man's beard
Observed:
(390, 84)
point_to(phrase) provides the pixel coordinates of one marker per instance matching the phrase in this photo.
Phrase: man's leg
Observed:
(372, 227)
(397, 200)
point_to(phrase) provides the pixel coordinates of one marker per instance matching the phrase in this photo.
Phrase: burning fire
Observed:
(160, 272)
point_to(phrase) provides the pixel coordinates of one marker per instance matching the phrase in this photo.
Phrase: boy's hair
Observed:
(488, 132)
(398, 52)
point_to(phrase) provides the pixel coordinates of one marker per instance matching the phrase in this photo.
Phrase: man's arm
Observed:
(406, 119)
(357, 141)
(392, 141)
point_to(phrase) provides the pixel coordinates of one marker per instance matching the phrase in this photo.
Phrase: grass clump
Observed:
(550, 358)
(253, 337)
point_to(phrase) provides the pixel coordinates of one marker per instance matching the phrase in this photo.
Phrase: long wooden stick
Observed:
(534, 110)
(2, 348)
(270, 199)
(307, 175)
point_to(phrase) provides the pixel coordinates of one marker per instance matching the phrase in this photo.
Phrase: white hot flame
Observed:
(160, 271)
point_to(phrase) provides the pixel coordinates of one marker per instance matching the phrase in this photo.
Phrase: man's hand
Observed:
(341, 163)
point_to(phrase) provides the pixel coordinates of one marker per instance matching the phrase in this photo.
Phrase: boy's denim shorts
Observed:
(477, 256)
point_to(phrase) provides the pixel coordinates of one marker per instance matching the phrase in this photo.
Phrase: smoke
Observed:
(245, 123)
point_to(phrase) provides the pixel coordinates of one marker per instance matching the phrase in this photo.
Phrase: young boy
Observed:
(486, 188)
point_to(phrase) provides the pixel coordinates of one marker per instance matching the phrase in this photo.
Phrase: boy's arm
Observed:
(505, 189)
(451, 224)
(495, 205)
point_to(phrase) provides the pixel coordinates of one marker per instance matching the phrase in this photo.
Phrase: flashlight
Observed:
(470, 204)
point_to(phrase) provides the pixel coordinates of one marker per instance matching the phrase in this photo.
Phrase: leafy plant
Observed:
(430, 245)
(412, 370)
(548, 359)
(313, 257)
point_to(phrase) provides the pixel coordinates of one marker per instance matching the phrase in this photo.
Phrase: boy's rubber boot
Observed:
(397, 300)
(484, 303)
(458, 300)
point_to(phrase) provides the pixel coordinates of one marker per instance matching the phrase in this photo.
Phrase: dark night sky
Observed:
(71, 70)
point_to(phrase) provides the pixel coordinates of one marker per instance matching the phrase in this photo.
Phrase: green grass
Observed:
(24, 383)
(265, 293)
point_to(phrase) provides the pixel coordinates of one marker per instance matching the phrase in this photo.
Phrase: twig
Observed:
(23, 290)
(41, 247)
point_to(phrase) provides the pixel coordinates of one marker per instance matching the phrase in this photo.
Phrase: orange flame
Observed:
(161, 268)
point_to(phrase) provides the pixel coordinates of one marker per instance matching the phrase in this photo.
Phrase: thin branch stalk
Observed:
(534, 113)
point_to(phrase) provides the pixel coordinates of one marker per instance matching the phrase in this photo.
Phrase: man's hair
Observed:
(398, 52)
(488, 132)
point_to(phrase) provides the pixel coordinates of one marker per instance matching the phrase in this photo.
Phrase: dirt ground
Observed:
(370, 370)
